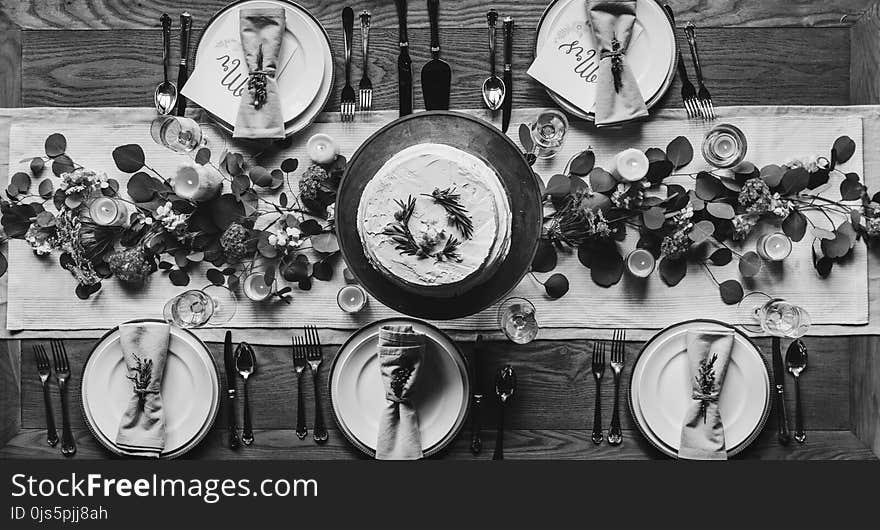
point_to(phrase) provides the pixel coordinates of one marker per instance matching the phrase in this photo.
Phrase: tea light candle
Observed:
(197, 183)
(351, 298)
(256, 288)
(774, 247)
(322, 149)
(106, 211)
(630, 165)
(640, 263)
(725, 146)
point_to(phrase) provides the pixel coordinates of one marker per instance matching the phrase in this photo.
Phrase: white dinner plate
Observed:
(651, 55)
(304, 80)
(660, 389)
(358, 396)
(190, 391)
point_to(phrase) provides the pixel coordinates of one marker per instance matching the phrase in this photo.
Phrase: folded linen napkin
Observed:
(618, 97)
(259, 113)
(702, 434)
(401, 351)
(142, 428)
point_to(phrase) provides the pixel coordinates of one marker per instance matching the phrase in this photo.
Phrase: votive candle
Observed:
(640, 263)
(774, 247)
(106, 211)
(351, 298)
(322, 149)
(256, 288)
(630, 165)
(197, 183)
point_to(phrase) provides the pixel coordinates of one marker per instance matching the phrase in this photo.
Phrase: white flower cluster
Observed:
(331, 212)
(779, 206)
(624, 196)
(39, 242)
(170, 220)
(82, 181)
(281, 237)
(811, 163)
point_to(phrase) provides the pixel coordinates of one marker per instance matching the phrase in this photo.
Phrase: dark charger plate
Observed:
(472, 135)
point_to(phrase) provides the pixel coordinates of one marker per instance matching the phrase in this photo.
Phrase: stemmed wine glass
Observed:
(778, 317)
(213, 305)
(516, 317)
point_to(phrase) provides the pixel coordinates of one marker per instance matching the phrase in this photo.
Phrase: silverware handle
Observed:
(597, 416)
(401, 21)
(690, 33)
(185, 29)
(782, 418)
(492, 18)
(499, 439)
(166, 44)
(476, 426)
(51, 433)
(247, 434)
(301, 430)
(365, 37)
(614, 434)
(231, 424)
(320, 431)
(799, 433)
(508, 43)
(434, 20)
(68, 443)
(348, 36)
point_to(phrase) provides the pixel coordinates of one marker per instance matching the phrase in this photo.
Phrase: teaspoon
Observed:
(166, 93)
(505, 385)
(796, 360)
(493, 86)
(246, 364)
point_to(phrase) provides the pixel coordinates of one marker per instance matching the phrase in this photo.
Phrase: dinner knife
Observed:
(229, 362)
(476, 396)
(507, 106)
(404, 63)
(183, 69)
(779, 381)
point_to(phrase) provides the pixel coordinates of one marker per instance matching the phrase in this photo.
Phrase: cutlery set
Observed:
(349, 101)
(306, 351)
(697, 101)
(617, 350)
(168, 99)
(61, 367)
(505, 386)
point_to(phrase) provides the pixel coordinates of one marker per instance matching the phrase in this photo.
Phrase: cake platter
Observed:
(519, 212)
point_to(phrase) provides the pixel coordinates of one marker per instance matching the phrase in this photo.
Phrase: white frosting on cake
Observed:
(416, 172)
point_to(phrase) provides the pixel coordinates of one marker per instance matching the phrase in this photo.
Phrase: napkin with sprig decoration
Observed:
(145, 350)
(702, 433)
(618, 97)
(401, 351)
(259, 113)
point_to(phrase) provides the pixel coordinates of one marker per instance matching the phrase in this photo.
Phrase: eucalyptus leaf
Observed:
(750, 264)
(672, 271)
(525, 138)
(129, 158)
(851, 189)
(708, 187)
(606, 265)
(731, 292)
(260, 176)
(289, 165)
(56, 145)
(721, 210)
(655, 155)
(721, 257)
(545, 258)
(583, 163)
(62, 164)
(794, 181)
(203, 156)
(215, 276)
(178, 277)
(600, 180)
(772, 175)
(20, 182)
(701, 231)
(46, 189)
(659, 171)
(680, 152)
(556, 286)
(654, 218)
(325, 243)
(37, 165)
(843, 149)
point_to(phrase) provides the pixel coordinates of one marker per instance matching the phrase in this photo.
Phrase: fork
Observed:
(62, 375)
(705, 100)
(299, 364)
(598, 370)
(314, 355)
(365, 86)
(688, 92)
(347, 106)
(45, 370)
(618, 345)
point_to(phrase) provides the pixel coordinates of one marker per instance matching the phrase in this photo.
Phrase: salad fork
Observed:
(314, 356)
(45, 370)
(299, 365)
(62, 375)
(598, 369)
(347, 106)
(705, 100)
(365, 86)
(618, 345)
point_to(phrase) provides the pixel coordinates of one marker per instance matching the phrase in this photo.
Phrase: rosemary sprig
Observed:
(706, 380)
(458, 214)
(449, 251)
(405, 241)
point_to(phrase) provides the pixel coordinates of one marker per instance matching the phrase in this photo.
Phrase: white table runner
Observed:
(41, 294)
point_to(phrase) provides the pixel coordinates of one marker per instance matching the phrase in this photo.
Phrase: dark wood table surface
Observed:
(93, 53)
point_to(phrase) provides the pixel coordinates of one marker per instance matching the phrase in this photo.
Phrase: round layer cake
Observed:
(435, 220)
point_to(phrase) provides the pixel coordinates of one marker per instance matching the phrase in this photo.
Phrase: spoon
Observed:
(796, 361)
(505, 385)
(246, 364)
(493, 86)
(166, 93)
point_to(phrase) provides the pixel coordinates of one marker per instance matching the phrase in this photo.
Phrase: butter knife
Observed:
(404, 63)
(476, 396)
(507, 106)
(183, 69)
(229, 363)
(779, 382)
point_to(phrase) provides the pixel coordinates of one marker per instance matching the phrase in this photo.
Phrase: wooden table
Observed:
(108, 52)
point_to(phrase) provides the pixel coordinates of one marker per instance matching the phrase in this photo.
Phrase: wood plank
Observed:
(10, 389)
(121, 68)
(865, 396)
(865, 67)
(539, 444)
(555, 386)
(117, 14)
(10, 64)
